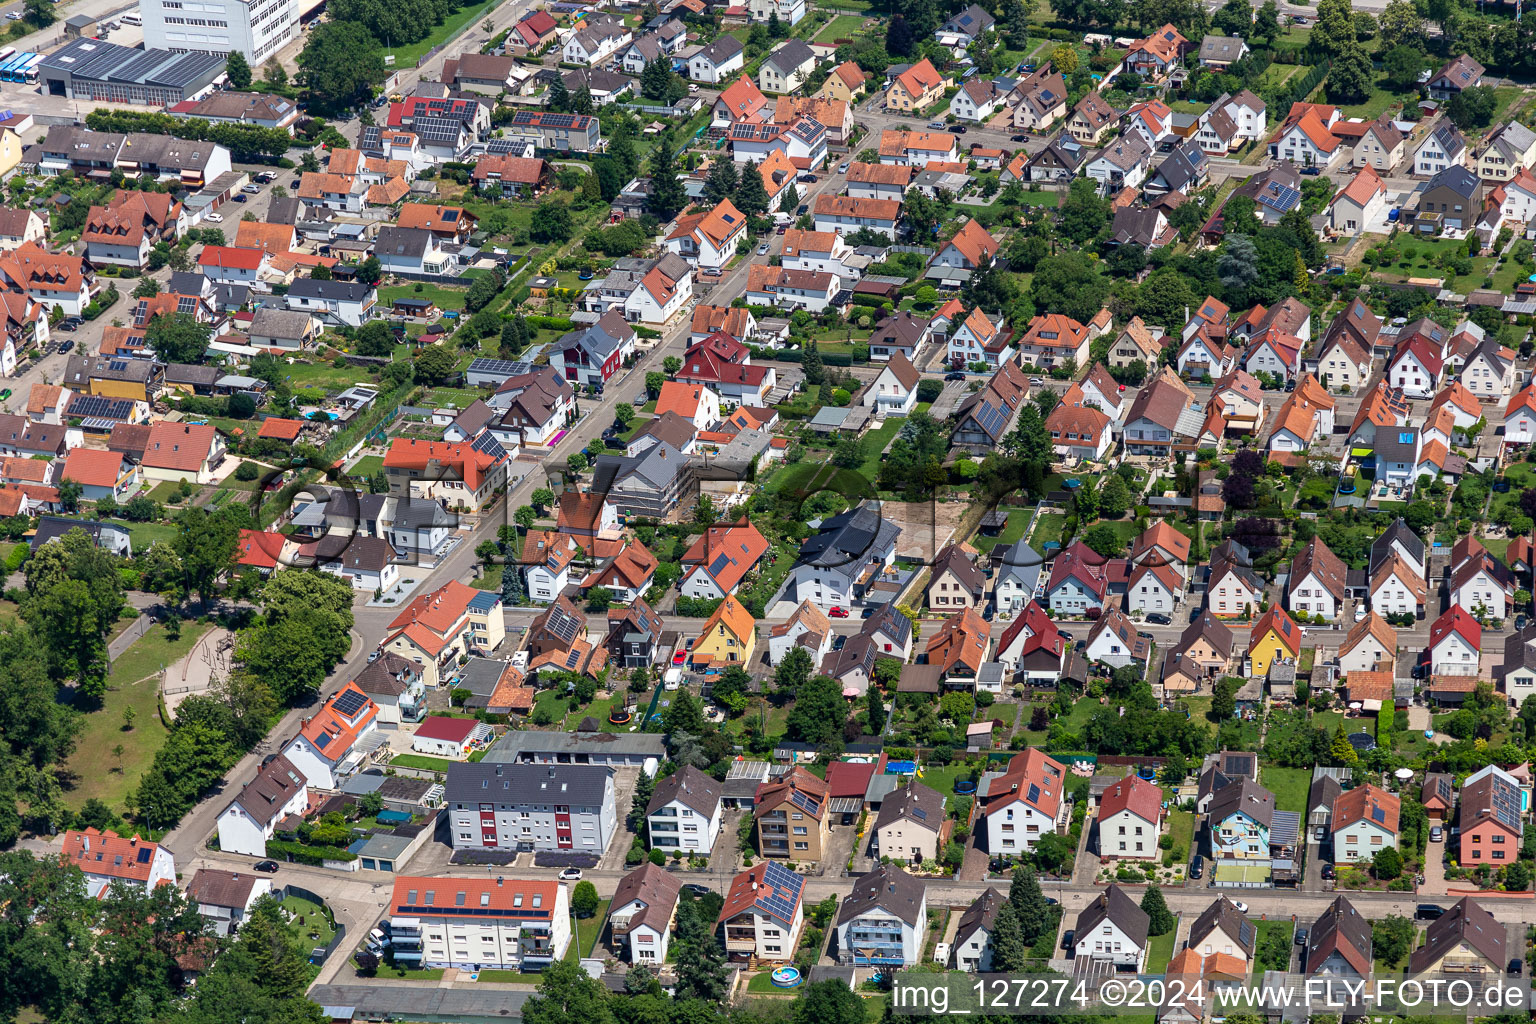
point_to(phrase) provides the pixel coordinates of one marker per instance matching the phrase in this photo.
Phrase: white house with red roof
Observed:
(462, 474)
(980, 338)
(596, 353)
(511, 924)
(1273, 351)
(740, 101)
(182, 451)
(719, 558)
(1079, 581)
(1305, 139)
(1151, 119)
(819, 251)
(1130, 818)
(1480, 582)
(1053, 339)
(763, 913)
(1032, 646)
(1023, 803)
(1360, 203)
(1455, 644)
(966, 251)
(1516, 198)
(1079, 428)
(453, 738)
(327, 746)
(1154, 588)
(102, 474)
(260, 550)
(1157, 54)
(107, 858)
(665, 290)
(1414, 367)
(1520, 417)
(223, 264)
(708, 239)
(724, 365)
(436, 629)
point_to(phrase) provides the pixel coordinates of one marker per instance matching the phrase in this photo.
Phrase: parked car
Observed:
(238, 198)
(269, 866)
(252, 190)
(958, 129)
(1301, 936)
(842, 168)
(697, 889)
(839, 643)
(571, 875)
(1314, 170)
(680, 658)
(69, 343)
(809, 179)
(1328, 872)
(762, 250)
(12, 16)
(955, 375)
(1018, 138)
(1516, 967)
(937, 126)
(1436, 833)
(1066, 940)
(215, 218)
(804, 209)
(1197, 866)
(1428, 912)
(1159, 619)
(1242, 908)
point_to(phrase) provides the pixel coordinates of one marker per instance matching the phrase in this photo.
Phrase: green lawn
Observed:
(134, 682)
(1282, 927)
(1181, 826)
(324, 375)
(410, 54)
(1048, 527)
(1159, 952)
(1289, 785)
(1012, 531)
(589, 928)
(454, 398)
(844, 26)
(422, 761)
(366, 466)
(875, 444)
(310, 926)
(443, 298)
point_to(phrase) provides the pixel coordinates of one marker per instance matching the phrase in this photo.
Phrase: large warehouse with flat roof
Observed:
(91, 69)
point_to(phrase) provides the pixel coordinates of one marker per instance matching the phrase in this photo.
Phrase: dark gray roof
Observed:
(845, 542)
(689, 787)
(654, 469)
(335, 291)
(1465, 922)
(1341, 929)
(979, 914)
(1222, 914)
(972, 21)
(398, 241)
(420, 513)
(668, 428)
(721, 50)
(917, 803)
(1456, 178)
(890, 889)
(1399, 533)
(219, 888)
(1182, 167)
(790, 56)
(276, 783)
(1119, 909)
(1246, 796)
(889, 621)
(487, 782)
(1324, 791)
(52, 527)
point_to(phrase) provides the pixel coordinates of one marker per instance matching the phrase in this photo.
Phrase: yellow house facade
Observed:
(1275, 638)
(918, 87)
(10, 151)
(730, 635)
(844, 83)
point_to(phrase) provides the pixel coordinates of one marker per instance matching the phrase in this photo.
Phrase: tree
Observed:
(1335, 26)
(303, 632)
(1342, 752)
(653, 382)
(147, 288)
(1402, 65)
(1010, 953)
(1349, 79)
(584, 899)
(899, 37)
(73, 596)
(524, 517)
(567, 995)
(1473, 108)
(1115, 498)
(551, 222)
(721, 182)
(370, 271)
(819, 711)
(683, 715)
(1266, 24)
(829, 1002)
(793, 672)
(751, 195)
(206, 544)
(1029, 903)
(239, 70)
(700, 962)
(178, 337)
(1064, 59)
(1224, 699)
(1387, 864)
(1392, 938)
(39, 12)
(340, 64)
(668, 196)
(875, 717)
(813, 369)
(1084, 213)
(1070, 283)
(69, 494)
(1160, 919)
(1401, 24)
(434, 364)
(1235, 18)
(582, 103)
(559, 95)
(375, 339)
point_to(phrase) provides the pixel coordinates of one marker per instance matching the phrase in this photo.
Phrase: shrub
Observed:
(247, 471)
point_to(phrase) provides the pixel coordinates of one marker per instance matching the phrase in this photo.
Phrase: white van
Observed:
(132, 18)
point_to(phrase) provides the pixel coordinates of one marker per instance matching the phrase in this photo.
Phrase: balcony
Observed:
(620, 925)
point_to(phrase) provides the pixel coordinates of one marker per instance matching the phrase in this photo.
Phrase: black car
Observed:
(1018, 138)
(1301, 936)
(294, 183)
(68, 344)
(839, 643)
(697, 889)
(804, 209)
(1428, 912)
(1328, 872)
(1064, 634)
(269, 866)
(69, 325)
(1066, 940)
(1159, 619)
(1197, 866)
(1516, 967)
(867, 613)
(958, 129)
(237, 197)
(956, 375)
(809, 179)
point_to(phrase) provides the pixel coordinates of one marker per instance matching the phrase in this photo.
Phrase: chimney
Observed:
(498, 881)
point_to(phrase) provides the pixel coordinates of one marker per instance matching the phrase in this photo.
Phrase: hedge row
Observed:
(279, 849)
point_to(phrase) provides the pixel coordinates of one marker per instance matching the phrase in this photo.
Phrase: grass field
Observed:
(134, 682)
(844, 26)
(1159, 952)
(443, 298)
(1048, 527)
(589, 928)
(454, 398)
(410, 54)
(1289, 785)
(422, 761)
(310, 926)
(875, 444)
(1181, 826)
(367, 466)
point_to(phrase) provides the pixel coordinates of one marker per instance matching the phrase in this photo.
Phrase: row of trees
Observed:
(246, 142)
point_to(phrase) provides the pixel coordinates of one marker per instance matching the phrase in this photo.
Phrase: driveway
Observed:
(1434, 868)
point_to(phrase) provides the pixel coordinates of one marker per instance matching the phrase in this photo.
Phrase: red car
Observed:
(836, 612)
(680, 658)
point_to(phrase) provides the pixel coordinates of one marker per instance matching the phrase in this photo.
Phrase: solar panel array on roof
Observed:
(97, 405)
(782, 894)
(349, 702)
(485, 444)
(991, 418)
(1281, 197)
(1033, 796)
(1443, 788)
(804, 801)
(720, 562)
(1378, 814)
(562, 624)
(500, 147)
(438, 130)
(1506, 804)
(510, 367)
(1246, 932)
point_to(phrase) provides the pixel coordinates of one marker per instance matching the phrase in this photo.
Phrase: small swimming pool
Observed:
(786, 977)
